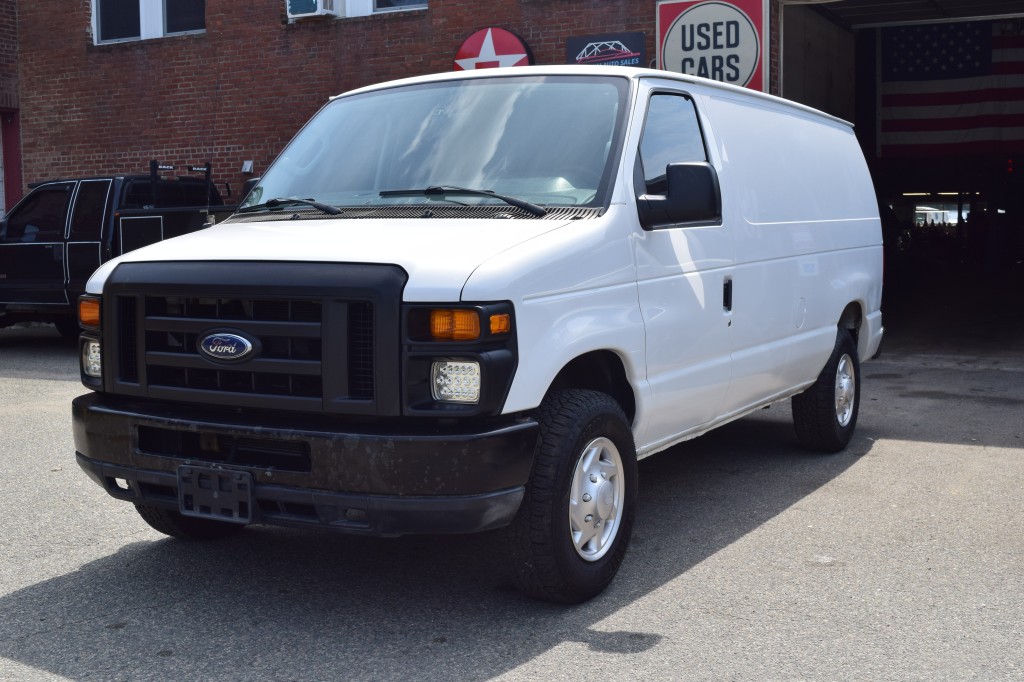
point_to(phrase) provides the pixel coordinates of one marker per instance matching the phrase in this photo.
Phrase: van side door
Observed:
(32, 246)
(89, 214)
(683, 274)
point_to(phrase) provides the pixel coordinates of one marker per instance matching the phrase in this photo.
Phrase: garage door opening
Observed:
(936, 91)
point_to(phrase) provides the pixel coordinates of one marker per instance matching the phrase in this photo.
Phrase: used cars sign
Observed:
(722, 41)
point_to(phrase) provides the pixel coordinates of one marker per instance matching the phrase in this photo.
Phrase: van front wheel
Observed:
(573, 527)
(826, 413)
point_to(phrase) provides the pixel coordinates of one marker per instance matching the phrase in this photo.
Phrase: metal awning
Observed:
(866, 13)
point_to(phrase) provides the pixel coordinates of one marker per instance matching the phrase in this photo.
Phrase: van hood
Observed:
(438, 255)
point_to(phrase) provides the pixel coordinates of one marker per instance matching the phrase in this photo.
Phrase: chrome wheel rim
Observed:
(595, 499)
(846, 390)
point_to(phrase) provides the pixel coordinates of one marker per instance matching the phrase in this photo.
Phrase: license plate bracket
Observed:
(216, 494)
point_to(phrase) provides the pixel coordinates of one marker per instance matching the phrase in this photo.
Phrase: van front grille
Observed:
(289, 333)
(318, 352)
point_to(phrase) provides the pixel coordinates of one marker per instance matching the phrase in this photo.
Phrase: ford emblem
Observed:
(225, 347)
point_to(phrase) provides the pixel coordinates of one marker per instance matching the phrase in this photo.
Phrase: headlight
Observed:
(92, 361)
(458, 359)
(455, 381)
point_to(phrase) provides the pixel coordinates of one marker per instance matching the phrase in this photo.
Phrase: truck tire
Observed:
(67, 327)
(574, 525)
(825, 415)
(170, 522)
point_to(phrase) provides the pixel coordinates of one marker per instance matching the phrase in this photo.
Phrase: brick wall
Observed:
(242, 89)
(774, 45)
(8, 54)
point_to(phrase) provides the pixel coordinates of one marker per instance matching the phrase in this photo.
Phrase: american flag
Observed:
(952, 89)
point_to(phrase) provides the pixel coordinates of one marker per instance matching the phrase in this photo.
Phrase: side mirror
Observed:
(248, 185)
(693, 198)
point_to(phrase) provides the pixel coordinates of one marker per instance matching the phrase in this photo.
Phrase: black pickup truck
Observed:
(62, 230)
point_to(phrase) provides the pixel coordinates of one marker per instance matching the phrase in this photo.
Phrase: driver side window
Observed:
(41, 217)
(671, 135)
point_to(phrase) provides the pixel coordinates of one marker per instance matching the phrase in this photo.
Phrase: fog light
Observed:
(92, 363)
(455, 381)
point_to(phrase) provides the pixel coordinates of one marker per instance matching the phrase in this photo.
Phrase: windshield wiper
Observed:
(292, 201)
(438, 191)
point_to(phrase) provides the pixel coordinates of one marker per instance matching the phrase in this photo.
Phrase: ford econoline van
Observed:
(472, 301)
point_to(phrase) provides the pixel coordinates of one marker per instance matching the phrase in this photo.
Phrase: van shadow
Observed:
(37, 350)
(33, 335)
(280, 604)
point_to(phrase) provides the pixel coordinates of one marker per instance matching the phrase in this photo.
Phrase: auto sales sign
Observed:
(725, 40)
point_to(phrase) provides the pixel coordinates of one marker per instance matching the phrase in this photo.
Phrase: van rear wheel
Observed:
(825, 415)
(574, 525)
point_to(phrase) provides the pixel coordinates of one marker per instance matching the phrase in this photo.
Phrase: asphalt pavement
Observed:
(898, 559)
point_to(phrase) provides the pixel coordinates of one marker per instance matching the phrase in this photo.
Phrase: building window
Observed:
(362, 8)
(184, 16)
(118, 20)
(298, 9)
(385, 5)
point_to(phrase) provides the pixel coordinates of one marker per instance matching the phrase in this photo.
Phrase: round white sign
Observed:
(714, 40)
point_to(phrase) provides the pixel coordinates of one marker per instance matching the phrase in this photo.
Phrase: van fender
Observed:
(559, 330)
(574, 291)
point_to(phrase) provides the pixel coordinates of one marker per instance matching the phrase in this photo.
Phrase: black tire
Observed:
(67, 327)
(584, 437)
(825, 415)
(170, 522)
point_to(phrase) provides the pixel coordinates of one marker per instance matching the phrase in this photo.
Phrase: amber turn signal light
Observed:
(89, 312)
(501, 324)
(454, 325)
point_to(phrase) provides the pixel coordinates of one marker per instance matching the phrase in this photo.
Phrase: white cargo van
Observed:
(472, 301)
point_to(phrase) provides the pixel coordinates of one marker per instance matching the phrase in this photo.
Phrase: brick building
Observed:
(240, 88)
(103, 86)
(10, 134)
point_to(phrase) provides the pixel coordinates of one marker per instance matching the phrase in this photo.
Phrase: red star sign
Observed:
(490, 48)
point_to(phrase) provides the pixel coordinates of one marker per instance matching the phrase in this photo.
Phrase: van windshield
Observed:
(547, 140)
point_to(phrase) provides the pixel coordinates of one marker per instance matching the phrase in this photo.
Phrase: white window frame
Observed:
(152, 14)
(407, 8)
(362, 8)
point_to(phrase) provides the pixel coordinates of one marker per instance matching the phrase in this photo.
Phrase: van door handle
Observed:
(727, 294)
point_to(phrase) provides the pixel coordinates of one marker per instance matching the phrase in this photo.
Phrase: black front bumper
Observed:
(388, 478)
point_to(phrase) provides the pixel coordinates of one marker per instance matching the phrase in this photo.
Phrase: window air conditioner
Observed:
(299, 9)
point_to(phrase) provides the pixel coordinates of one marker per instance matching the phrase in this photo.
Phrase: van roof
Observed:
(631, 73)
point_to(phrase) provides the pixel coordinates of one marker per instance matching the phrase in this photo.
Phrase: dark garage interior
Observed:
(936, 91)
